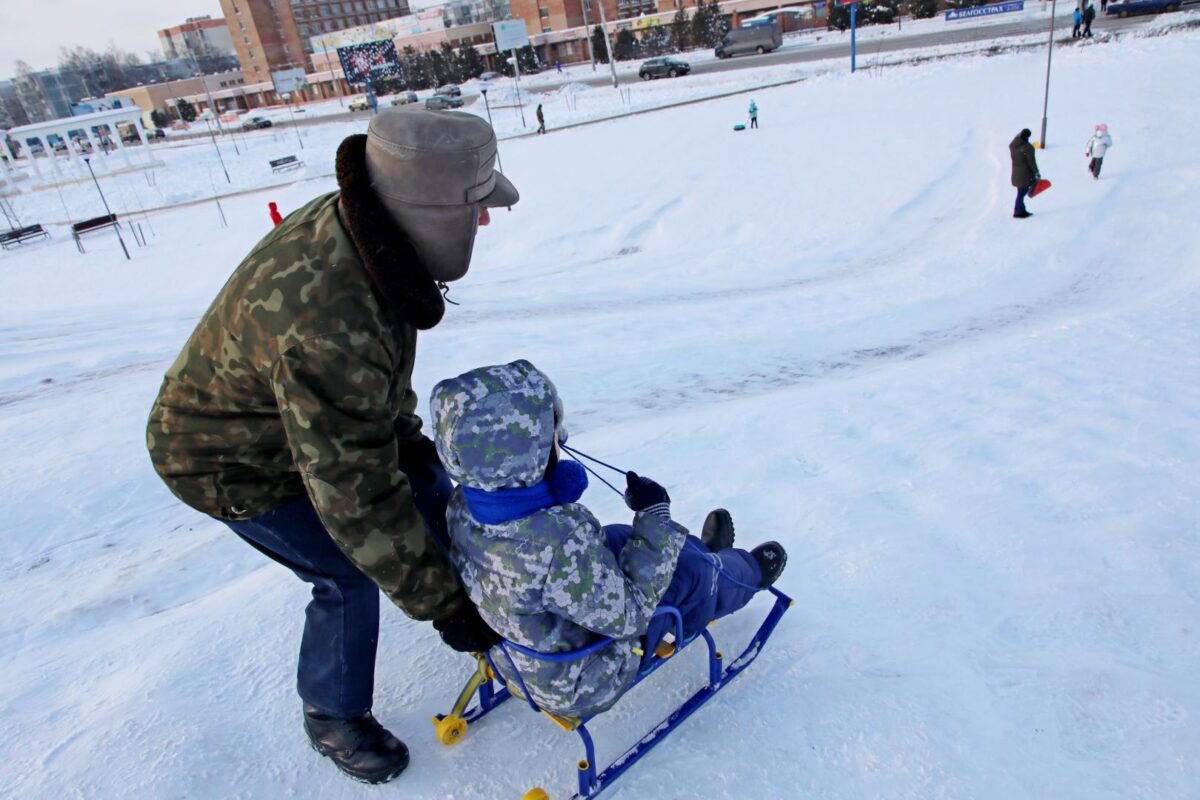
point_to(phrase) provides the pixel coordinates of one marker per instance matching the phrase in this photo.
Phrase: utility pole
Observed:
(583, 4)
(107, 210)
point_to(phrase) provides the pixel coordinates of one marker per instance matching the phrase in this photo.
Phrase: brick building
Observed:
(199, 37)
(270, 35)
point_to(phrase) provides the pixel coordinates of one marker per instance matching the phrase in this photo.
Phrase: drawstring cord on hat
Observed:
(710, 557)
(445, 290)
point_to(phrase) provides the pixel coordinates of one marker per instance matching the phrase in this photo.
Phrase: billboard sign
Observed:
(985, 11)
(288, 80)
(510, 34)
(370, 61)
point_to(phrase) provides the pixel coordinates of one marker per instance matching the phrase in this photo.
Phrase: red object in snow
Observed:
(275, 216)
(1039, 187)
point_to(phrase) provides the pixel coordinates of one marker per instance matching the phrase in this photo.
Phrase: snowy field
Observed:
(977, 437)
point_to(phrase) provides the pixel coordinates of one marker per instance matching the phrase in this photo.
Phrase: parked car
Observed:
(156, 133)
(489, 76)
(762, 38)
(254, 123)
(449, 90)
(660, 67)
(1124, 9)
(440, 102)
(360, 103)
(404, 98)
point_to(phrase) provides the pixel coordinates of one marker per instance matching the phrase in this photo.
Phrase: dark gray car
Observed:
(663, 68)
(440, 102)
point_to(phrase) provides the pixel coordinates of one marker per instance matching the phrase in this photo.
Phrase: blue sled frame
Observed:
(452, 726)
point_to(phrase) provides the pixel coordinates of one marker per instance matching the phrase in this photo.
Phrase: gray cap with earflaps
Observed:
(433, 170)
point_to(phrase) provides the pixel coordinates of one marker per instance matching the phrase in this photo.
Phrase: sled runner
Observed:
(1039, 186)
(491, 692)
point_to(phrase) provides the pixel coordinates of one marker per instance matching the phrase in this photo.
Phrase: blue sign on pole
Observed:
(985, 11)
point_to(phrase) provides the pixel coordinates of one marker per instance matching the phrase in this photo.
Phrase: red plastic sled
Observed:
(1039, 187)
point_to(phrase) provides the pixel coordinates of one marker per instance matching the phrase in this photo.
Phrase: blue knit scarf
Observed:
(564, 485)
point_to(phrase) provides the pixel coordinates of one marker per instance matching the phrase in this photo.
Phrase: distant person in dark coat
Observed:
(1024, 170)
(541, 119)
(1089, 14)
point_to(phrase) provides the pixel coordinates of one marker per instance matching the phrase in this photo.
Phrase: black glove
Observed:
(466, 631)
(420, 456)
(643, 494)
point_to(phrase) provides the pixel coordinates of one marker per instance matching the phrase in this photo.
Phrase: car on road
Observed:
(360, 103)
(663, 67)
(489, 76)
(440, 102)
(1124, 9)
(254, 123)
(449, 90)
(761, 38)
(404, 98)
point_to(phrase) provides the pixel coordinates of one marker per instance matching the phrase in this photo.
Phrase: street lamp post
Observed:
(1049, 54)
(220, 158)
(287, 98)
(483, 90)
(87, 160)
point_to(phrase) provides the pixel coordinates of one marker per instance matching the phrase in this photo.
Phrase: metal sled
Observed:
(491, 692)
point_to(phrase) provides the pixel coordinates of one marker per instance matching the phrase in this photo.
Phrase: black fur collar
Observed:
(406, 290)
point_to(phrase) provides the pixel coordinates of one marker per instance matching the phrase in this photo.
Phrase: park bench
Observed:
(90, 226)
(285, 163)
(21, 235)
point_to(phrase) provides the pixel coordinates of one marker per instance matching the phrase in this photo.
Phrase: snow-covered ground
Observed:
(977, 437)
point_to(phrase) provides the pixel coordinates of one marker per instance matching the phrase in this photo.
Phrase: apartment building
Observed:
(270, 35)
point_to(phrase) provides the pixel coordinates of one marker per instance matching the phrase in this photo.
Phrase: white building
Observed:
(199, 36)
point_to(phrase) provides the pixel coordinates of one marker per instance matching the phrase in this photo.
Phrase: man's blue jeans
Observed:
(1022, 193)
(336, 671)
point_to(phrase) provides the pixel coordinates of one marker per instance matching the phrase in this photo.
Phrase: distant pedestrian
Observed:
(1078, 20)
(273, 209)
(541, 118)
(1024, 170)
(1097, 146)
(753, 114)
(1103, 6)
(1089, 14)
(558, 65)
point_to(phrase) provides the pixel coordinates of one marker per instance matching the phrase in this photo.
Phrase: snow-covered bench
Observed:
(90, 226)
(21, 235)
(286, 163)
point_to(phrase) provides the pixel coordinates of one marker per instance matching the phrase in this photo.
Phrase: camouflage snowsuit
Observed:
(546, 581)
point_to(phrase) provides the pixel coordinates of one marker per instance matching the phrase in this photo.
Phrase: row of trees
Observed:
(883, 12)
(705, 27)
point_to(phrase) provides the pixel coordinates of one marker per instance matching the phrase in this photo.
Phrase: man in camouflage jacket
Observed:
(542, 570)
(290, 413)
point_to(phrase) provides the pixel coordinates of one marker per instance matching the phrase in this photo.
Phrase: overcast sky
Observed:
(34, 30)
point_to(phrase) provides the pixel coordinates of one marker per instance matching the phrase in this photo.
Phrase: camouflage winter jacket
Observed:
(546, 581)
(297, 380)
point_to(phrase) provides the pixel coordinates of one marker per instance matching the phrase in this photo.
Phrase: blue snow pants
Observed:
(336, 670)
(699, 592)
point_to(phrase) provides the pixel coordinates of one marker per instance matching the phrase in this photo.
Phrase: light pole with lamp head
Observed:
(87, 160)
(1049, 54)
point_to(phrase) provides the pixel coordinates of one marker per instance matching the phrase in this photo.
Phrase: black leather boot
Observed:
(361, 747)
(771, 558)
(717, 533)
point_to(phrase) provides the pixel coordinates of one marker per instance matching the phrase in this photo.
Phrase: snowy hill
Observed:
(977, 436)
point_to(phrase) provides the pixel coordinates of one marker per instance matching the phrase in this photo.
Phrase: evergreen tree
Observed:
(473, 64)
(877, 12)
(437, 68)
(681, 31)
(625, 46)
(158, 119)
(717, 25)
(839, 16)
(416, 72)
(599, 47)
(700, 25)
(187, 111)
(528, 60)
(454, 70)
(923, 9)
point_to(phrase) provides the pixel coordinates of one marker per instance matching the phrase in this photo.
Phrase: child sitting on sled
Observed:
(543, 571)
